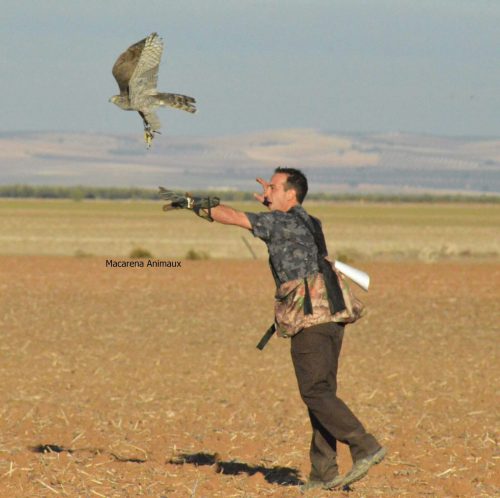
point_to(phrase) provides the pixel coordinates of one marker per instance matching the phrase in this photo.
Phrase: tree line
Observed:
(79, 193)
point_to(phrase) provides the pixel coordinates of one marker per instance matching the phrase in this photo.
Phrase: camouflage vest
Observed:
(318, 298)
(290, 309)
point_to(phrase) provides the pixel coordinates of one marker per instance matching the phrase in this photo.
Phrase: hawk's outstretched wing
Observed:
(145, 77)
(126, 64)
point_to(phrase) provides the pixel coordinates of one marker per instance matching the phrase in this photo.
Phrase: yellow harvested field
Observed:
(424, 232)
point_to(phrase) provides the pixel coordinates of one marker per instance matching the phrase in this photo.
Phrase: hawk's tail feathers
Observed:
(182, 102)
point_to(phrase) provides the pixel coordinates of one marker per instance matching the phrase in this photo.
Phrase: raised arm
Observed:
(217, 212)
(229, 216)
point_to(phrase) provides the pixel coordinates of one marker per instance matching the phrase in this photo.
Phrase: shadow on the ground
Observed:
(284, 476)
(49, 448)
(55, 448)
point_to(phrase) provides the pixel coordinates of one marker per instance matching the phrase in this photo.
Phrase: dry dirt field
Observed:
(146, 381)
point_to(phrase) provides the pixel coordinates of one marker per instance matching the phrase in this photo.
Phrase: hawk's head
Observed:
(120, 101)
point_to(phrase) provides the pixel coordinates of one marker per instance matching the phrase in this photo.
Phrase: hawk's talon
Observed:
(148, 136)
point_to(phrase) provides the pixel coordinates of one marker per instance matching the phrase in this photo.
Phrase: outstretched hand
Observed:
(261, 197)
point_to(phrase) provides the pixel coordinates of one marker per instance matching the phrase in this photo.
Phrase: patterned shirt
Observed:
(292, 250)
(293, 257)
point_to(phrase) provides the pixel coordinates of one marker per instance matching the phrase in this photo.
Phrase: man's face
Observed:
(278, 198)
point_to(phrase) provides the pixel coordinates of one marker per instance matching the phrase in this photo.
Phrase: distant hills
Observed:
(333, 162)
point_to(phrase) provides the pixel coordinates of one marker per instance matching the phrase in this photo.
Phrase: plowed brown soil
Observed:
(146, 381)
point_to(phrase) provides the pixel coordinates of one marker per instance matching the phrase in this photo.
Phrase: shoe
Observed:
(315, 484)
(362, 466)
(311, 484)
(333, 483)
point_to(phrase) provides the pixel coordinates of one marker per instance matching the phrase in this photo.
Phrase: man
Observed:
(303, 313)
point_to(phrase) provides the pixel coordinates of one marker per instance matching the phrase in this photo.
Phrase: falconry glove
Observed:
(188, 201)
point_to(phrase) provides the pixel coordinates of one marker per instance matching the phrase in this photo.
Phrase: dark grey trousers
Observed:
(315, 353)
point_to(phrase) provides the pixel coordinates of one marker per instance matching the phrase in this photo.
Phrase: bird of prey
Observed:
(136, 72)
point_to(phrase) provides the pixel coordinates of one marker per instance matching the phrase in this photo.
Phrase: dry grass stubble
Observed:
(150, 383)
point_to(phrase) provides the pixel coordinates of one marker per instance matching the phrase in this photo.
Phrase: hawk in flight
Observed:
(136, 72)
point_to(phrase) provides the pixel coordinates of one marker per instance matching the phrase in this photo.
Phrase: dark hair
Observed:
(296, 180)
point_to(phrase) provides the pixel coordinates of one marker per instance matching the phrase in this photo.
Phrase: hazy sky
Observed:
(335, 65)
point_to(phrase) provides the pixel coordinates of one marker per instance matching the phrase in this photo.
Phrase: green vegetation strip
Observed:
(116, 193)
